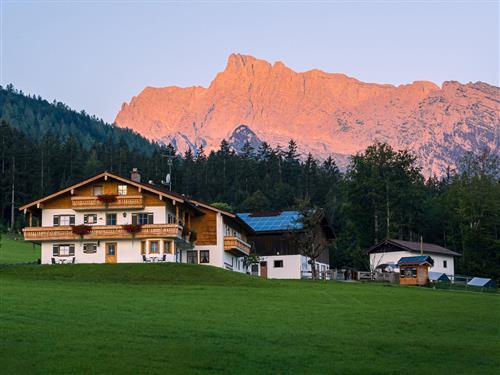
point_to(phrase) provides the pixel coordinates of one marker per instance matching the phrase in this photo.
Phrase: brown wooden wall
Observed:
(282, 243)
(205, 227)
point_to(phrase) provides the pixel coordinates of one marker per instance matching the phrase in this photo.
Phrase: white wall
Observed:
(159, 215)
(395, 256)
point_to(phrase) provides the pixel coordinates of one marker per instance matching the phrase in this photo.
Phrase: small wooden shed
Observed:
(415, 270)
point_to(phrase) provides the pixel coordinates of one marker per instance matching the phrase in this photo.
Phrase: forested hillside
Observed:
(35, 117)
(382, 195)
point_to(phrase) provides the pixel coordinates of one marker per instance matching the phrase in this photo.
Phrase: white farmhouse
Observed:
(111, 219)
(389, 252)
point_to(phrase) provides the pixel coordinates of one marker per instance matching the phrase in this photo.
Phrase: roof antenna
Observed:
(168, 177)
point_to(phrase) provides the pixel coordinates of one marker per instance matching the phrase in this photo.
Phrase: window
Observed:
(409, 272)
(110, 219)
(142, 218)
(64, 220)
(154, 247)
(170, 218)
(445, 264)
(255, 269)
(204, 256)
(192, 256)
(278, 264)
(89, 248)
(122, 189)
(168, 247)
(90, 219)
(143, 247)
(97, 190)
(63, 250)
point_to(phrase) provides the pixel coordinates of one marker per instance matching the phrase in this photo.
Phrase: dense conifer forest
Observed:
(46, 146)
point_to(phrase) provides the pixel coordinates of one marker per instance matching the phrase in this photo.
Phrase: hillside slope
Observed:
(326, 113)
(36, 117)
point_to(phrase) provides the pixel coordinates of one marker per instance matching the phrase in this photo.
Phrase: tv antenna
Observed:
(168, 177)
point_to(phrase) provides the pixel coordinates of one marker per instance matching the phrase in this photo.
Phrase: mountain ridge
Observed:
(326, 113)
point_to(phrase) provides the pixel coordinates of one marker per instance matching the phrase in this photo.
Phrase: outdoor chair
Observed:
(163, 258)
(144, 259)
(53, 260)
(73, 260)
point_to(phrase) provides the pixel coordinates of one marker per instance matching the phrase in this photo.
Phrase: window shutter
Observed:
(72, 220)
(143, 247)
(56, 220)
(71, 249)
(85, 219)
(55, 250)
(150, 219)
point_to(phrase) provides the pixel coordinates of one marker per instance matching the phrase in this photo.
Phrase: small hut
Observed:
(415, 270)
(481, 283)
(438, 277)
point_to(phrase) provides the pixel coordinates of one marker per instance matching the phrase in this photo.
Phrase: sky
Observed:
(95, 55)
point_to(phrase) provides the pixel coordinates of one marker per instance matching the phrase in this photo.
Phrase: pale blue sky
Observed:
(95, 55)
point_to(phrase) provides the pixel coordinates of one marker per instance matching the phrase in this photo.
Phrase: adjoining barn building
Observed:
(273, 242)
(390, 251)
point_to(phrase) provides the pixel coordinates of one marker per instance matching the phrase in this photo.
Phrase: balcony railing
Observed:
(236, 246)
(93, 203)
(98, 232)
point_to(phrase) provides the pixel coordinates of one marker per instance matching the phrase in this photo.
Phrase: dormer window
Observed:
(122, 189)
(97, 190)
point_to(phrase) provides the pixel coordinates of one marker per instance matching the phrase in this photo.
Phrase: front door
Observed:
(111, 251)
(263, 269)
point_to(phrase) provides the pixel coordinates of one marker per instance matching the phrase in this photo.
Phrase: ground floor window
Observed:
(278, 264)
(168, 247)
(154, 247)
(192, 256)
(204, 256)
(89, 248)
(63, 250)
(143, 247)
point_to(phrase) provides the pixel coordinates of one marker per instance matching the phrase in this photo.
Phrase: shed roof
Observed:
(418, 260)
(481, 281)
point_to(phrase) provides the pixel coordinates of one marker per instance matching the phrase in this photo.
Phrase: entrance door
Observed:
(111, 250)
(263, 269)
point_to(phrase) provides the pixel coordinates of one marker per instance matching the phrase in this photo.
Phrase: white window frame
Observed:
(122, 189)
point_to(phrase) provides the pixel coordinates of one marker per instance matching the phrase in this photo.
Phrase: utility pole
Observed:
(12, 195)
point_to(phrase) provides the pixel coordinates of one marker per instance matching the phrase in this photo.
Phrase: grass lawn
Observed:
(178, 318)
(13, 249)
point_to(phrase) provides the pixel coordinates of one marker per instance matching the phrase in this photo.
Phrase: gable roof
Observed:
(146, 186)
(438, 276)
(415, 247)
(418, 260)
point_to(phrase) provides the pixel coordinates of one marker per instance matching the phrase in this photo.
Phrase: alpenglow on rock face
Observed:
(326, 113)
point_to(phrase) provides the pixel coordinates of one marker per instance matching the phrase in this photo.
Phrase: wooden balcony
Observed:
(236, 246)
(101, 232)
(93, 203)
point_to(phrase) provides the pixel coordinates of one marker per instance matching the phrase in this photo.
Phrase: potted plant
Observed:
(81, 230)
(106, 199)
(132, 228)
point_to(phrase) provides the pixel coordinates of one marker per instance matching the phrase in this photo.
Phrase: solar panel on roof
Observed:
(286, 220)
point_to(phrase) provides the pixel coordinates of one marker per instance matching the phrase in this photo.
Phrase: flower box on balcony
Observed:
(81, 230)
(106, 198)
(132, 228)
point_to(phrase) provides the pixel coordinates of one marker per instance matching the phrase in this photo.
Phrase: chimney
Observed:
(135, 175)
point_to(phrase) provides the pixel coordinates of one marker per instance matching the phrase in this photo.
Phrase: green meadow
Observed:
(13, 249)
(178, 318)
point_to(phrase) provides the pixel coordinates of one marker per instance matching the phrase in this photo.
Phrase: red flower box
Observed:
(132, 228)
(106, 198)
(81, 229)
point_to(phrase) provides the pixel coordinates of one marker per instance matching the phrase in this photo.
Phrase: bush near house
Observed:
(180, 318)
